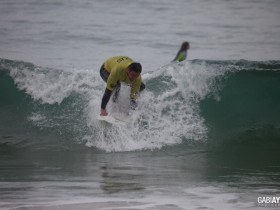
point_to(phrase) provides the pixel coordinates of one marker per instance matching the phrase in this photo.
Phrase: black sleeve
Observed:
(106, 98)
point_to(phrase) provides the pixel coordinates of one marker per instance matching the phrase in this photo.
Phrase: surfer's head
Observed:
(185, 46)
(133, 71)
(135, 67)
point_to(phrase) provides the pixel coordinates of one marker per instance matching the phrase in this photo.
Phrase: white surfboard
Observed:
(112, 120)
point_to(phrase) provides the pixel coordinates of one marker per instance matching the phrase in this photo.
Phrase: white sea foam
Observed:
(51, 85)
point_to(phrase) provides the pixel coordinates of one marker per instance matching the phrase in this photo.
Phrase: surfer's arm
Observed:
(111, 84)
(137, 86)
(105, 100)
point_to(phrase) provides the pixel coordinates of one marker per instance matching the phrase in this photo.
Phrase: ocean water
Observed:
(205, 134)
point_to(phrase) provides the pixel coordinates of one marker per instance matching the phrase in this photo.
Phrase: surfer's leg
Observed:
(116, 92)
(104, 73)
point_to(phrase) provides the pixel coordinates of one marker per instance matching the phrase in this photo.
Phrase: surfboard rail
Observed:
(112, 120)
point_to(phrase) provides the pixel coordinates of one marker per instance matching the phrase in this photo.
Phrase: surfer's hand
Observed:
(103, 112)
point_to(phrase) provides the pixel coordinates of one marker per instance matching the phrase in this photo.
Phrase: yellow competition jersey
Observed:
(117, 66)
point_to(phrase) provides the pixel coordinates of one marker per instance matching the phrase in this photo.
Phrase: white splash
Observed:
(167, 113)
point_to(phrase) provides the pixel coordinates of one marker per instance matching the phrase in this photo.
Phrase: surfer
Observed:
(120, 69)
(182, 53)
